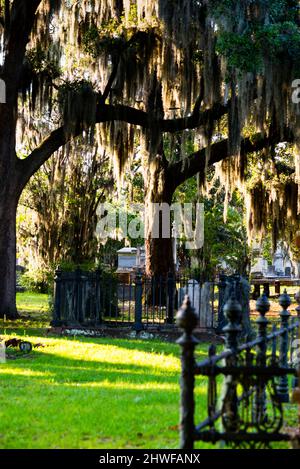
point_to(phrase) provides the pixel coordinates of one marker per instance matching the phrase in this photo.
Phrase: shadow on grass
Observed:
(63, 401)
(63, 370)
(150, 346)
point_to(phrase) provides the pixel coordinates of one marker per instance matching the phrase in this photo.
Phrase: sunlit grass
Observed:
(34, 312)
(92, 393)
(32, 302)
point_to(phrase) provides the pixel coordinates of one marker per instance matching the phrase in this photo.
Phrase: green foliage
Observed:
(107, 253)
(37, 279)
(77, 104)
(240, 51)
(245, 52)
(96, 41)
(57, 216)
(42, 64)
(254, 10)
(70, 266)
(224, 242)
(267, 249)
(112, 35)
(270, 29)
(187, 192)
(281, 37)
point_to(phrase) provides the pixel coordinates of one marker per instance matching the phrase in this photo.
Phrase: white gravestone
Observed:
(206, 318)
(200, 297)
(278, 262)
(130, 258)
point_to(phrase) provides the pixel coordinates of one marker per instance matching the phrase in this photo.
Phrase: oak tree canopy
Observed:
(128, 73)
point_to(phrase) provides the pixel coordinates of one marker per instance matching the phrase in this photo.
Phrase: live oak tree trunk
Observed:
(157, 187)
(159, 254)
(10, 189)
(19, 24)
(8, 208)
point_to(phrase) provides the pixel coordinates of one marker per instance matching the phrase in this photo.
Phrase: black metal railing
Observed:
(247, 384)
(77, 298)
(93, 298)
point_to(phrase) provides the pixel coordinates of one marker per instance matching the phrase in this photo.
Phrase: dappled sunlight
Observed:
(23, 372)
(127, 385)
(79, 393)
(104, 353)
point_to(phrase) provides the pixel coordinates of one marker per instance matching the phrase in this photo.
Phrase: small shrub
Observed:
(39, 280)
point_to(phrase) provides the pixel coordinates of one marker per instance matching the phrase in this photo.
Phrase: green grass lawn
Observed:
(91, 393)
(34, 312)
(32, 302)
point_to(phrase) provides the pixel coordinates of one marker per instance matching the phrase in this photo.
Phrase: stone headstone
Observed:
(288, 271)
(242, 291)
(130, 258)
(200, 297)
(206, 318)
(278, 263)
(271, 271)
(127, 258)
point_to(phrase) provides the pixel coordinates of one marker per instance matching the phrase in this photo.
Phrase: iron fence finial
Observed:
(187, 320)
(297, 298)
(233, 309)
(263, 304)
(284, 300)
(233, 313)
(186, 317)
(283, 386)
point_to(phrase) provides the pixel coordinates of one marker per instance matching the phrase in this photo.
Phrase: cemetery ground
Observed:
(78, 392)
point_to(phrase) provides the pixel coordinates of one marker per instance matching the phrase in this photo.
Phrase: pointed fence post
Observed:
(170, 297)
(296, 393)
(297, 298)
(274, 345)
(138, 325)
(79, 313)
(56, 322)
(297, 338)
(187, 320)
(98, 293)
(262, 306)
(233, 313)
(283, 384)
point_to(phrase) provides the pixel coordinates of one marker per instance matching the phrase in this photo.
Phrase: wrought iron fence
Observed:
(247, 383)
(94, 298)
(77, 298)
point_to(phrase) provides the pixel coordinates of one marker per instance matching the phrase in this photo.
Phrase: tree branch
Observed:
(196, 119)
(184, 169)
(20, 25)
(41, 154)
(110, 82)
(59, 137)
(108, 113)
